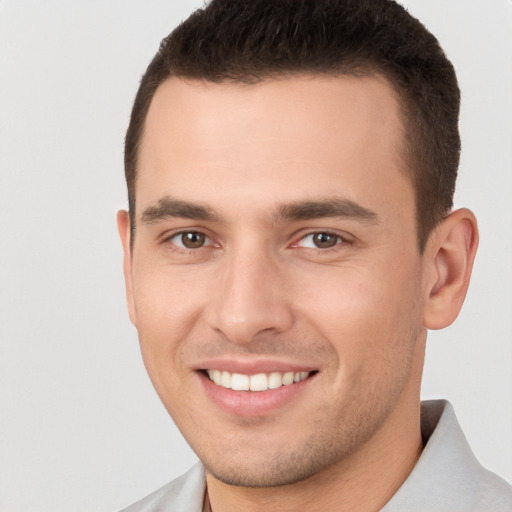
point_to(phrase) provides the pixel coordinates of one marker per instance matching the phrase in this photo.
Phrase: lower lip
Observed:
(252, 403)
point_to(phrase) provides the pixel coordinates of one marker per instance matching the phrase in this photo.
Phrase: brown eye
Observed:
(192, 239)
(320, 240)
(325, 240)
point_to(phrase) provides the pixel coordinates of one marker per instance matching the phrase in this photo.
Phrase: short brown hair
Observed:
(249, 41)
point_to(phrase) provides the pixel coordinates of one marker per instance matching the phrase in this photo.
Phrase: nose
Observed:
(250, 299)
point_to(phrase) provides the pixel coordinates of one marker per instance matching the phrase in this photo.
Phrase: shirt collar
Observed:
(447, 473)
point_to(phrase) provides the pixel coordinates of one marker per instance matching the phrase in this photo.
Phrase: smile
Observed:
(257, 382)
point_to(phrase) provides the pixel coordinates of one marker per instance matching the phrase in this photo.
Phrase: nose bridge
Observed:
(250, 297)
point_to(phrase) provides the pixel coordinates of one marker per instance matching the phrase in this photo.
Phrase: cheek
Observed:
(165, 313)
(166, 297)
(369, 315)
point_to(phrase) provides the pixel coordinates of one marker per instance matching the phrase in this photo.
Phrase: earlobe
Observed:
(123, 226)
(451, 252)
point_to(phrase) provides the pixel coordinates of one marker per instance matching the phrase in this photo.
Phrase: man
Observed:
(290, 239)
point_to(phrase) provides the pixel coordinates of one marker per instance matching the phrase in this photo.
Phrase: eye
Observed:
(190, 240)
(320, 240)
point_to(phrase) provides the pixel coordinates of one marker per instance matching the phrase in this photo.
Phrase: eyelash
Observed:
(341, 241)
(181, 248)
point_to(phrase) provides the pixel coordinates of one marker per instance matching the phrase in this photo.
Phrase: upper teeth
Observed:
(258, 382)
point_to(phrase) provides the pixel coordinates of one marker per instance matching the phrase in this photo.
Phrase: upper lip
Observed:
(253, 366)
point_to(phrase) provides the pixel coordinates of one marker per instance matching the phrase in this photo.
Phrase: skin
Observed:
(258, 291)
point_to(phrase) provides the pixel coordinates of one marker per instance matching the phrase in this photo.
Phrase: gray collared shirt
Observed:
(446, 478)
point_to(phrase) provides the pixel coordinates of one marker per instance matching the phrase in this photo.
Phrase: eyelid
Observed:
(344, 239)
(166, 238)
(179, 236)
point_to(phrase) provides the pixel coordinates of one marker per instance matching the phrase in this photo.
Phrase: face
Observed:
(275, 278)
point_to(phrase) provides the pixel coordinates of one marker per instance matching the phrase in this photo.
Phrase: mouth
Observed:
(258, 382)
(255, 388)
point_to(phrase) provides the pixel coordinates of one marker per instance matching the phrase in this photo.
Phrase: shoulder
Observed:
(184, 494)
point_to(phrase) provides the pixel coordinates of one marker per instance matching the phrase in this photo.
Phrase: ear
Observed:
(450, 252)
(123, 225)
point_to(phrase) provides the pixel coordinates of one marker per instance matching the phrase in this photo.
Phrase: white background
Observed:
(81, 429)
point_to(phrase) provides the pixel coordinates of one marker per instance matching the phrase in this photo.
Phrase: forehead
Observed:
(221, 143)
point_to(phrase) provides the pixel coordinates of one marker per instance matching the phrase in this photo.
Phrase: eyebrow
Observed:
(335, 208)
(167, 208)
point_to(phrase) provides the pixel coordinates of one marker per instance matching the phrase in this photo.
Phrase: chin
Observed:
(277, 469)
